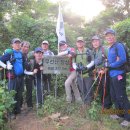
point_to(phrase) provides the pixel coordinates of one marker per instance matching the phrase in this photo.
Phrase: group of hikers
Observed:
(101, 64)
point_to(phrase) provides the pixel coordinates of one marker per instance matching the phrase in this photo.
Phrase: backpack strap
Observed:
(103, 52)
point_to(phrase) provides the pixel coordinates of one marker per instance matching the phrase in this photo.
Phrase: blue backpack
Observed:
(17, 62)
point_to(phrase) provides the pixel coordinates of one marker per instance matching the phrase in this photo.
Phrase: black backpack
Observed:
(126, 66)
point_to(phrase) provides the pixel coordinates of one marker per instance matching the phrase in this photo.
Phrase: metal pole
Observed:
(82, 89)
(91, 86)
(36, 93)
(56, 86)
(42, 87)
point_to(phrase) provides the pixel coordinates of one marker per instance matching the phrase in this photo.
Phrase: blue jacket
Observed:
(18, 61)
(116, 50)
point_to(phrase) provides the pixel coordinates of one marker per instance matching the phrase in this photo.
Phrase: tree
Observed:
(123, 31)
(122, 6)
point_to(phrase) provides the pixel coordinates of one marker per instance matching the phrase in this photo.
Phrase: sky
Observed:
(85, 8)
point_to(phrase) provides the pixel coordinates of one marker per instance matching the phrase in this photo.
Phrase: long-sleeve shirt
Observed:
(99, 56)
(116, 58)
(17, 61)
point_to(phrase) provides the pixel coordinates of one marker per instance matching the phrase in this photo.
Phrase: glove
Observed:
(68, 51)
(9, 66)
(106, 64)
(78, 69)
(84, 68)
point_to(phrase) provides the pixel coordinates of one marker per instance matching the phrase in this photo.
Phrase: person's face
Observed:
(80, 44)
(16, 45)
(45, 46)
(25, 48)
(38, 56)
(63, 47)
(110, 38)
(95, 43)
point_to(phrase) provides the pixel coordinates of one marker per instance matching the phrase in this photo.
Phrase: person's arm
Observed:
(121, 55)
(5, 58)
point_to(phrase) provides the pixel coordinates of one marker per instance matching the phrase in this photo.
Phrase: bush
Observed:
(6, 104)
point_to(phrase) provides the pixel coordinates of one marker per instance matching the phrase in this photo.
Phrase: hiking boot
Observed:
(79, 101)
(30, 108)
(125, 123)
(12, 116)
(115, 117)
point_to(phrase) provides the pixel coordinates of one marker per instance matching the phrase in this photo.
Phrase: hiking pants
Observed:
(29, 87)
(119, 96)
(39, 85)
(17, 84)
(71, 85)
(84, 87)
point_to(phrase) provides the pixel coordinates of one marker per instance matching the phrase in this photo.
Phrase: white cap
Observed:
(45, 42)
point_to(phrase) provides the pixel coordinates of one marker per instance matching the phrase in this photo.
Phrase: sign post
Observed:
(56, 65)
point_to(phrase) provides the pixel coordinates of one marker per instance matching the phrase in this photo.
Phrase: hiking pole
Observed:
(82, 89)
(98, 85)
(36, 93)
(48, 85)
(104, 90)
(42, 86)
(92, 86)
(9, 81)
(56, 87)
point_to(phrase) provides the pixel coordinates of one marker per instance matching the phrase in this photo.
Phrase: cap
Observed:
(62, 43)
(80, 39)
(95, 37)
(45, 42)
(38, 49)
(15, 40)
(111, 31)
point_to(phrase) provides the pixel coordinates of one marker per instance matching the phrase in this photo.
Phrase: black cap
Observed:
(62, 43)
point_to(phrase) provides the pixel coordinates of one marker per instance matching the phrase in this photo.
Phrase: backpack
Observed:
(17, 60)
(126, 66)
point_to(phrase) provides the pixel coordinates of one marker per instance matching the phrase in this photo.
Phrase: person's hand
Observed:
(9, 67)
(41, 67)
(101, 72)
(35, 71)
(78, 69)
(69, 55)
(84, 68)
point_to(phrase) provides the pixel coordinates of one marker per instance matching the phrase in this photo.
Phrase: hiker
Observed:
(37, 68)
(100, 54)
(84, 79)
(70, 84)
(25, 45)
(116, 59)
(15, 68)
(46, 77)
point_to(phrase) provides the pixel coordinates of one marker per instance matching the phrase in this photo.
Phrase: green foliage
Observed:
(123, 31)
(58, 82)
(6, 103)
(54, 105)
(94, 111)
(33, 31)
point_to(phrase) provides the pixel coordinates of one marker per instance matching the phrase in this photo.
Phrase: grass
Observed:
(79, 118)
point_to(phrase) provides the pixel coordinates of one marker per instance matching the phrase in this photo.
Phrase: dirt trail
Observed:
(28, 120)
